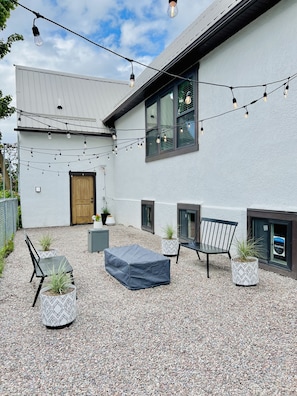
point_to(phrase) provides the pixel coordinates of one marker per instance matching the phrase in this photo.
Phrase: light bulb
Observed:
(188, 99)
(37, 38)
(68, 135)
(132, 80)
(158, 140)
(234, 103)
(265, 96)
(49, 135)
(172, 10)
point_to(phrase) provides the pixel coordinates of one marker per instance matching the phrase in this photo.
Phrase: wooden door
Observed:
(82, 198)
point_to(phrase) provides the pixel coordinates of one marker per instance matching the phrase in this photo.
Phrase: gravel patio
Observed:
(196, 336)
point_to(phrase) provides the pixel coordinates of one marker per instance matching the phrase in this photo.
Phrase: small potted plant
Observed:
(45, 243)
(169, 242)
(97, 221)
(104, 214)
(246, 263)
(58, 299)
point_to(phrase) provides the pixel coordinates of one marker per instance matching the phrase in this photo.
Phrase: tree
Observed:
(6, 6)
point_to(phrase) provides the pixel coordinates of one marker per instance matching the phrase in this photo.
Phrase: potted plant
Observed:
(246, 263)
(45, 243)
(169, 243)
(97, 221)
(58, 299)
(104, 214)
(110, 220)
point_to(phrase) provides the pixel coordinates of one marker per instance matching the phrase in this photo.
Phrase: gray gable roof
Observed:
(84, 101)
(221, 20)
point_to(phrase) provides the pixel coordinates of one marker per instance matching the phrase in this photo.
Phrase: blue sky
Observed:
(136, 29)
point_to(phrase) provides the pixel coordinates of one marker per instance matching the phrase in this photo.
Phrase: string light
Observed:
(286, 88)
(132, 76)
(49, 135)
(172, 10)
(234, 99)
(246, 112)
(265, 95)
(68, 133)
(201, 128)
(37, 38)
(158, 140)
(188, 99)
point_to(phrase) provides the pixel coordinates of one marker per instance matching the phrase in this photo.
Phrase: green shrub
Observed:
(5, 252)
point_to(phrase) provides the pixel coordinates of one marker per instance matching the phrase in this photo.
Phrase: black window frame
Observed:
(271, 217)
(190, 209)
(147, 204)
(153, 133)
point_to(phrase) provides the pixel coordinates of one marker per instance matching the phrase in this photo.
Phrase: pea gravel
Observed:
(196, 336)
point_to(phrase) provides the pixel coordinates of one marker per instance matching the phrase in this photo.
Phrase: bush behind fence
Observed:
(8, 219)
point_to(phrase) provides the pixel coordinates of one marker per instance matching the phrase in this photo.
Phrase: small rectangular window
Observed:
(147, 216)
(188, 219)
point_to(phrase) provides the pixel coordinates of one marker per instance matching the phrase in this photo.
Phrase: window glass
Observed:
(171, 121)
(186, 130)
(152, 116)
(273, 236)
(185, 96)
(147, 216)
(188, 221)
(166, 122)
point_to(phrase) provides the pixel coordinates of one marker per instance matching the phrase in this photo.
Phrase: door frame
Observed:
(93, 174)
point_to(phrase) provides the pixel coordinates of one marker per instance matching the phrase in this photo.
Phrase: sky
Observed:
(136, 29)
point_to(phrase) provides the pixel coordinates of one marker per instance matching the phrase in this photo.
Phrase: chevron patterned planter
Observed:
(58, 311)
(169, 247)
(245, 273)
(47, 253)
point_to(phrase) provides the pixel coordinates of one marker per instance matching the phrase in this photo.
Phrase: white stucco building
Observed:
(161, 168)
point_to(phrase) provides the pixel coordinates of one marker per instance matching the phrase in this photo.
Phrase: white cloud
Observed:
(135, 29)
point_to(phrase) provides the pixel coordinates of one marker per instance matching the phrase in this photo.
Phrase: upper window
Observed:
(171, 121)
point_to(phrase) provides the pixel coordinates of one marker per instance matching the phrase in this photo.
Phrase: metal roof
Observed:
(216, 24)
(84, 101)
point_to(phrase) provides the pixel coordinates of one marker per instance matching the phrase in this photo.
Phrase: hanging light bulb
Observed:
(265, 95)
(246, 112)
(68, 133)
(132, 76)
(286, 89)
(188, 99)
(37, 38)
(234, 99)
(114, 136)
(172, 10)
(49, 135)
(85, 144)
(158, 140)
(201, 128)
(165, 138)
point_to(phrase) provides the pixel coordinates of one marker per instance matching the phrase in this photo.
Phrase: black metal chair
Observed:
(43, 267)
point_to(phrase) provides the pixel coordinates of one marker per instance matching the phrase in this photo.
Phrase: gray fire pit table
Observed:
(136, 267)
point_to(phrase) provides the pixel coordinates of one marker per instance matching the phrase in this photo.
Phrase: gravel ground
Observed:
(196, 336)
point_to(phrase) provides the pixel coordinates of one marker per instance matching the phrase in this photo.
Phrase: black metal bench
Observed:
(215, 237)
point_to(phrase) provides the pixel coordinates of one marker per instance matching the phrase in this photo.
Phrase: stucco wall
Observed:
(40, 167)
(241, 163)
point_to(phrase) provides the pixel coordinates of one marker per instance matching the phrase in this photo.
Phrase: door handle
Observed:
(92, 200)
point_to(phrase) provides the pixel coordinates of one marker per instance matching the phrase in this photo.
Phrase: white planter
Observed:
(97, 224)
(170, 246)
(47, 253)
(110, 220)
(59, 310)
(245, 273)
